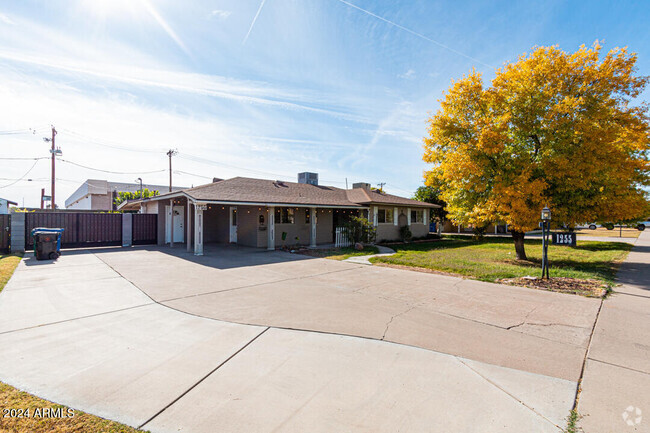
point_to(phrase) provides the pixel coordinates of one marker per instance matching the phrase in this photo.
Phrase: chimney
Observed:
(363, 185)
(307, 177)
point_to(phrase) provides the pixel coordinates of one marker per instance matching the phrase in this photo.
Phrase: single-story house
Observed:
(269, 214)
(4, 205)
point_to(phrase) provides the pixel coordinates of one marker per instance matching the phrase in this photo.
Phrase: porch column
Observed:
(198, 229)
(395, 216)
(425, 218)
(312, 219)
(375, 211)
(271, 230)
(408, 216)
(171, 223)
(189, 227)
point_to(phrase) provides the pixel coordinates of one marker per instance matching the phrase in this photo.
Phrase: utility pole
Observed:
(54, 151)
(42, 196)
(171, 153)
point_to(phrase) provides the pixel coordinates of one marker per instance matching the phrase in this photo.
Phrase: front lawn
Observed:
(494, 259)
(340, 253)
(8, 263)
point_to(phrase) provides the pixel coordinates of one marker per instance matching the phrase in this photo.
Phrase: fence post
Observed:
(127, 229)
(18, 232)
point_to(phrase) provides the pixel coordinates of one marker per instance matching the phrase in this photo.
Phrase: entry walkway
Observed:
(616, 386)
(122, 334)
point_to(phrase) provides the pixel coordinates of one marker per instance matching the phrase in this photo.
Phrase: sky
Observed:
(254, 88)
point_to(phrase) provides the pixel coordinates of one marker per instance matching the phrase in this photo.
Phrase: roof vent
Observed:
(363, 185)
(307, 177)
(216, 179)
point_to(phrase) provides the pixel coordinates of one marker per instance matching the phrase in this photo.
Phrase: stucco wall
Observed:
(215, 224)
(325, 227)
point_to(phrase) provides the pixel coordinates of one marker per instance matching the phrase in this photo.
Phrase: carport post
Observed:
(189, 227)
(271, 230)
(198, 229)
(171, 223)
(312, 219)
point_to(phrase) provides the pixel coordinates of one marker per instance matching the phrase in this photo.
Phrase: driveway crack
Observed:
(397, 315)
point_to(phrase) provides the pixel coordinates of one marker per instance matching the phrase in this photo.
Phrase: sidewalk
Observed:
(616, 382)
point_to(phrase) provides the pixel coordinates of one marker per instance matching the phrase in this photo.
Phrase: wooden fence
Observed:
(144, 229)
(5, 229)
(81, 229)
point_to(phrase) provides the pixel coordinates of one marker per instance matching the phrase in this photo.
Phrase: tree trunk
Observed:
(518, 237)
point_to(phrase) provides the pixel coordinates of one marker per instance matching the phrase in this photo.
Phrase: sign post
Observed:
(546, 229)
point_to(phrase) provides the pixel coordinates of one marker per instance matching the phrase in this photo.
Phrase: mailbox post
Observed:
(546, 229)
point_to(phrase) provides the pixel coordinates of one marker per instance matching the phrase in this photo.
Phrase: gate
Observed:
(5, 230)
(81, 229)
(145, 229)
(342, 239)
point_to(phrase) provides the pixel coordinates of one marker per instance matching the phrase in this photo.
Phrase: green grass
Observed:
(8, 263)
(494, 258)
(572, 423)
(342, 253)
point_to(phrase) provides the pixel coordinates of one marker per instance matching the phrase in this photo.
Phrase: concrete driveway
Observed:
(300, 344)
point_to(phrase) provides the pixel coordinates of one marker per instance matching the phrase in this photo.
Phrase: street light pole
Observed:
(140, 180)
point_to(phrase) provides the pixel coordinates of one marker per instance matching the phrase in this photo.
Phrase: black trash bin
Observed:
(47, 243)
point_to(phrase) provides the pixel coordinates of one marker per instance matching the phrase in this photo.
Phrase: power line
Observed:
(109, 171)
(23, 159)
(108, 144)
(22, 177)
(210, 162)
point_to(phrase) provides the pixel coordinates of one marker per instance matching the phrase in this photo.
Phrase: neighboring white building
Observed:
(4, 205)
(97, 194)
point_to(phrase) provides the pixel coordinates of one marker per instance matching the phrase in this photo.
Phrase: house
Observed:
(4, 205)
(268, 214)
(96, 194)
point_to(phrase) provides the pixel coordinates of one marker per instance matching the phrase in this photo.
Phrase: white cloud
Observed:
(219, 14)
(408, 75)
(5, 19)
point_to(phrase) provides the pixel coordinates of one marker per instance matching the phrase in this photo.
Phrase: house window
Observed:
(284, 215)
(308, 216)
(385, 215)
(417, 216)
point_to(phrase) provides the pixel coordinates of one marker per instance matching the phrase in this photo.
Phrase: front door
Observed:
(233, 225)
(177, 218)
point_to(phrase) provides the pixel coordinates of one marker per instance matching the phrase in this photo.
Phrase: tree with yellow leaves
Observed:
(556, 129)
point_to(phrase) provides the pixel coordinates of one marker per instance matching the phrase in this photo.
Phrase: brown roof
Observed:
(363, 196)
(244, 189)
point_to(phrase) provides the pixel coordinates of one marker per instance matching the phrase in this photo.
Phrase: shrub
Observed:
(360, 230)
(405, 233)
